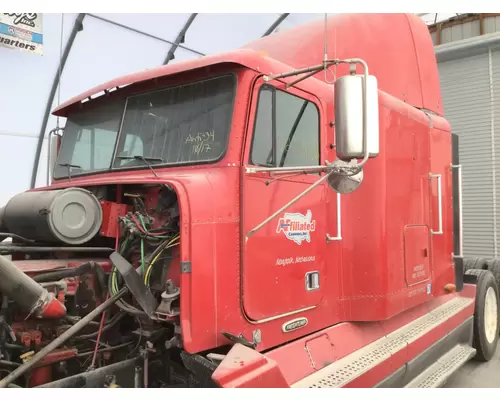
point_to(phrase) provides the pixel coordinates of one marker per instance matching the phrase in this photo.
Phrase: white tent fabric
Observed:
(109, 45)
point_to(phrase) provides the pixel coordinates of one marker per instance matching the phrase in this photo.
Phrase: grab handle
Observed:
(339, 224)
(460, 213)
(440, 204)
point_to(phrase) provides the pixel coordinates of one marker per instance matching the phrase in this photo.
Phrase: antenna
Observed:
(325, 50)
(325, 40)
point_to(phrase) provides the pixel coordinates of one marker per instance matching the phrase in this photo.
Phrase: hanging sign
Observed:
(22, 31)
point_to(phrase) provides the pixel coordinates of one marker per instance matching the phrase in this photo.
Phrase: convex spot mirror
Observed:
(345, 183)
(349, 104)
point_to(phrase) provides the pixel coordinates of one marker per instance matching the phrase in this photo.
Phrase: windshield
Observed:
(89, 140)
(180, 125)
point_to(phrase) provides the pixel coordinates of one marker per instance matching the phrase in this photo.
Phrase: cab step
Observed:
(437, 374)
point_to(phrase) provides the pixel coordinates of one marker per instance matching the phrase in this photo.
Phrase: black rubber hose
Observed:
(65, 273)
(112, 322)
(97, 321)
(72, 272)
(60, 340)
(8, 248)
(11, 346)
(11, 364)
(101, 278)
(5, 235)
(130, 309)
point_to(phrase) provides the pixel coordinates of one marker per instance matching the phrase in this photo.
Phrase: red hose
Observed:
(94, 357)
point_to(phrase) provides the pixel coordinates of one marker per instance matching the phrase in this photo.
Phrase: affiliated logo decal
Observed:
(297, 227)
(294, 324)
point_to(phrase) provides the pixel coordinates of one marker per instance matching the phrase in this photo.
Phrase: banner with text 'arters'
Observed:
(22, 31)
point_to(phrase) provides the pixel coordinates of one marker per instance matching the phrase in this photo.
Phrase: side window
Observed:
(286, 132)
(262, 147)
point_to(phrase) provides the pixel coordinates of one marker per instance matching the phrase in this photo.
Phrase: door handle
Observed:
(440, 204)
(312, 281)
(339, 224)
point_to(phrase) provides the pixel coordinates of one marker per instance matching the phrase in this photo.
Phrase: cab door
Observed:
(283, 262)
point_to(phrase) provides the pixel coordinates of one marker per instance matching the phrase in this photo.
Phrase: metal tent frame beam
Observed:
(179, 39)
(144, 33)
(275, 24)
(77, 27)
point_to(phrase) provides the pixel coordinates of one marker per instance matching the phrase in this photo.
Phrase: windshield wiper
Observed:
(145, 160)
(69, 168)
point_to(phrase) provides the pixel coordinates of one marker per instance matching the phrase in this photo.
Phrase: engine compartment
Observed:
(142, 224)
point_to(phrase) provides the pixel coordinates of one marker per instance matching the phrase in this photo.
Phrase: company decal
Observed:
(294, 260)
(418, 271)
(294, 325)
(297, 227)
(22, 31)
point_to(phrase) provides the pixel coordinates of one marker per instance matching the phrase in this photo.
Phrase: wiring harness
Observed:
(136, 234)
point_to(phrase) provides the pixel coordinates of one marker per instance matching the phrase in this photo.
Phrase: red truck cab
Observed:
(338, 289)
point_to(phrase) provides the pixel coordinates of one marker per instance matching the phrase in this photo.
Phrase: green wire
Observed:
(114, 281)
(143, 266)
(142, 222)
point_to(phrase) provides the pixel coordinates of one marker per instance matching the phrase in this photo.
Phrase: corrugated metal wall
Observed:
(467, 30)
(471, 95)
